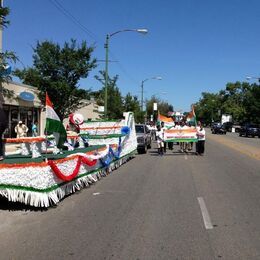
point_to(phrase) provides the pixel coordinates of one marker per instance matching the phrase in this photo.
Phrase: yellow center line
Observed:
(248, 150)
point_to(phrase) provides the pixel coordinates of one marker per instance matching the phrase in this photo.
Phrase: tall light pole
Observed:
(142, 87)
(143, 31)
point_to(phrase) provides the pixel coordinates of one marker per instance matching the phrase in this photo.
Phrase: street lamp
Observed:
(143, 31)
(248, 78)
(142, 87)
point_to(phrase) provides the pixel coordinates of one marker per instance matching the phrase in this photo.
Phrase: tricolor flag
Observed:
(54, 125)
(192, 116)
(168, 121)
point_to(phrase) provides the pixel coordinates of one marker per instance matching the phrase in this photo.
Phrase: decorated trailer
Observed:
(41, 179)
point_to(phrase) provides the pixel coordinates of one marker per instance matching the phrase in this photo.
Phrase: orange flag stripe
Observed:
(193, 130)
(48, 101)
(165, 119)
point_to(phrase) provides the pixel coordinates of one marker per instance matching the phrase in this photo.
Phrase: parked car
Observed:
(213, 125)
(217, 128)
(144, 140)
(237, 127)
(227, 126)
(250, 129)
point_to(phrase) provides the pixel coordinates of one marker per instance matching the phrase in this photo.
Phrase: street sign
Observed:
(26, 96)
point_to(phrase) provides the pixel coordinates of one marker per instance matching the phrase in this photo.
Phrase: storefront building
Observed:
(24, 105)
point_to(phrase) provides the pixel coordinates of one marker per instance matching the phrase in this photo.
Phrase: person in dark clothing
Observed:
(3, 126)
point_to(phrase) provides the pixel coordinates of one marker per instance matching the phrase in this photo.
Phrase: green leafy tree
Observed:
(252, 104)
(162, 106)
(115, 106)
(132, 104)
(58, 70)
(239, 99)
(6, 57)
(207, 108)
(233, 100)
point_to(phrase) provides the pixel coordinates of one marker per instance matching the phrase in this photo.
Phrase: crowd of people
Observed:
(185, 146)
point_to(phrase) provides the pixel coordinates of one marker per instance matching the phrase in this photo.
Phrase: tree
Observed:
(58, 70)
(252, 104)
(207, 108)
(239, 99)
(114, 98)
(6, 57)
(132, 104)
(162, 106)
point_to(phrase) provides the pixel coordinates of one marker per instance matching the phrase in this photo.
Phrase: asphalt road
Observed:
(179, 206)
(252, 141)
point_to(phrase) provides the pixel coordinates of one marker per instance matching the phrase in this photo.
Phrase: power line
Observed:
(72, 18)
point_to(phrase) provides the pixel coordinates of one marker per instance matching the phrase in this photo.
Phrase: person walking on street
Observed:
(200, 145)
(163, 128)
(21, 130)
(159, 138)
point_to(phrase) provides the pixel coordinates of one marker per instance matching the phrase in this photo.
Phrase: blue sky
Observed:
(194, 45)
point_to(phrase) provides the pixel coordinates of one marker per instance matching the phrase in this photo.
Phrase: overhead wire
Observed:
(72, 18)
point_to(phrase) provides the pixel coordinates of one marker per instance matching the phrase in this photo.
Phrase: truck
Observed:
(226, 118)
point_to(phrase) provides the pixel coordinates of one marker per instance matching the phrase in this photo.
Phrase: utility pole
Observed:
(106, 73)
(142, 95)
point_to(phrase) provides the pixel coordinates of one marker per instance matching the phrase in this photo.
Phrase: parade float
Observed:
(40, 174)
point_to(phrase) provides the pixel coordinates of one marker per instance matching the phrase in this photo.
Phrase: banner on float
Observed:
(181, 135)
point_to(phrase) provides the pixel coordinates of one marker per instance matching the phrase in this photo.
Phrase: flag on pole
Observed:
(54, 125)
(168, 121)
(192, 116)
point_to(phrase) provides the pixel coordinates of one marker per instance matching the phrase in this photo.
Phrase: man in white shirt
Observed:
(201, 134)
(163, 128)
(159, 138)
(21, 130)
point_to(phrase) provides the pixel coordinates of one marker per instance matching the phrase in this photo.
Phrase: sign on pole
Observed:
(155, 106)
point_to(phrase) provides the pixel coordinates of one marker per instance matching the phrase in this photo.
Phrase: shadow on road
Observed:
(17, 206)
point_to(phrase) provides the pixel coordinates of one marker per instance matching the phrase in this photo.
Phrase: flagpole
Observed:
(195, 120)
(46, 137)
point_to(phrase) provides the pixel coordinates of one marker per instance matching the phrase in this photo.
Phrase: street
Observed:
(178, 206)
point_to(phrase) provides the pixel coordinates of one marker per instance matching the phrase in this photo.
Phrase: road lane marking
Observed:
(96, 193)
(205, 213)
(186, 157)
(246, 149)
